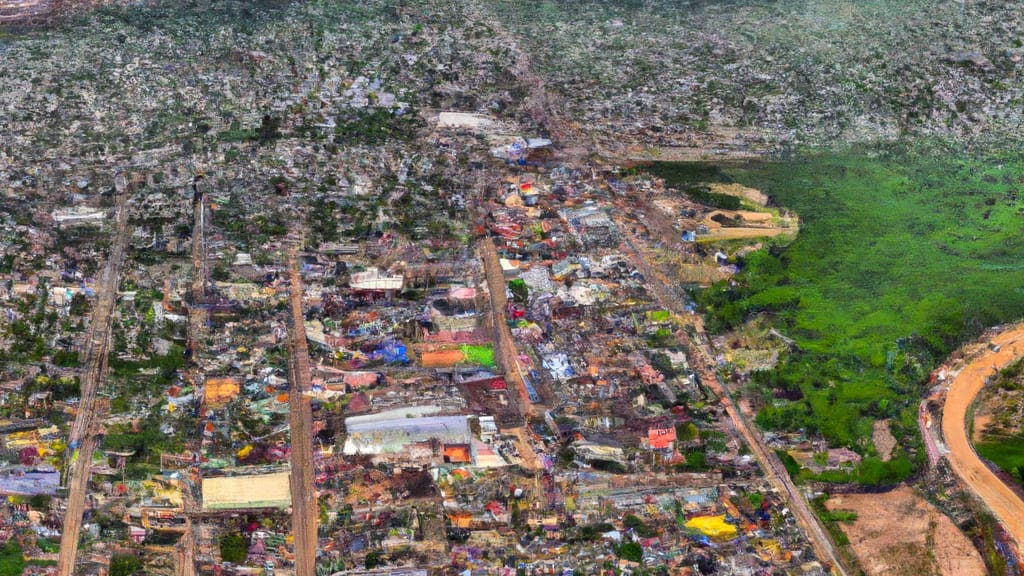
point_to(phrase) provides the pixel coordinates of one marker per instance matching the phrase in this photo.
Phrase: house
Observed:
(374, 281)
(839, 456)
(136, 534)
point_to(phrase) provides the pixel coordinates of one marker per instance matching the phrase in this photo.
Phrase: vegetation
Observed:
(1002, 441)
(903, 254)
(1006, 453)
(124, 564)
(232, 548)
(374, 559)
(639, 526)
(756, 499)
(831, 524)
(695, 462)
(986, 531)
(375, 126)
(630, 551)
(592, 532)
(696, 191)
(662, 338)
(12, 562)
(792, 467)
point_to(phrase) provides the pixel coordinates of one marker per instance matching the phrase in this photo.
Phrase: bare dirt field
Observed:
(900, 533)
(981, 422)
(884, 441)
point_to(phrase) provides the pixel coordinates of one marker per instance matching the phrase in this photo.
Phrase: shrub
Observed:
(232, 548)
(124, 564)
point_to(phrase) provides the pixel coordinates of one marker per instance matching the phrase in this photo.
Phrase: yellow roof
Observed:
(712, 526)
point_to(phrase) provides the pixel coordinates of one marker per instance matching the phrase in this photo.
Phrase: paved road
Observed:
(95, 356)
(1002, 501)
(506, 352)
(305, 510)
(774, 471)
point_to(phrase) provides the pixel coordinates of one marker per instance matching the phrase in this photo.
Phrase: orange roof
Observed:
(221, 390)
(457, 454)
(661, 438)
(460, 519)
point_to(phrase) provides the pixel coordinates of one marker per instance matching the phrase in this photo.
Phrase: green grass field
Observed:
(1007, 453)
(902, 254)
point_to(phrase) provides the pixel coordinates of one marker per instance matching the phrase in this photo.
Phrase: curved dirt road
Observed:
(1006, 506)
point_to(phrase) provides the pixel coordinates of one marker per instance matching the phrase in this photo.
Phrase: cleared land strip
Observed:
(82, 439)
(999, 498)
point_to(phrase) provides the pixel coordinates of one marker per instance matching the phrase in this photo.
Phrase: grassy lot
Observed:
(902, 255)
(1002, 439)
(1007, 453)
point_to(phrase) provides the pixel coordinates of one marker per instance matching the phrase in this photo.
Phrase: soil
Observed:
(901, 533)
(981, 422)
(752, 194)
(884, 441)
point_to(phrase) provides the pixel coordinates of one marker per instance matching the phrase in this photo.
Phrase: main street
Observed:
(197, 318)
(305, 510)
(82, 439)
(1000, 499)
(506, 352)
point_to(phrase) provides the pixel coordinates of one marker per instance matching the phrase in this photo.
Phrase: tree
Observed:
(232, 548)
(322, 220)
(79, 305)
(631, 551)
(520, 292)
(12, 562)
(39, 502)
(221, 273)
(639, 526)
(687, 432)
(662, 363)
(270, 129)
(124, 564)
(374, 559)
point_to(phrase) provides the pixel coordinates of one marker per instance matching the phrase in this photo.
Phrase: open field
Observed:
(900, 533)
(901, 256)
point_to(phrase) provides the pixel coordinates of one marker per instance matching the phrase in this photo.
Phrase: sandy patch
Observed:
(884, 441)
(901, 533)
(981, 422)
(752, 194)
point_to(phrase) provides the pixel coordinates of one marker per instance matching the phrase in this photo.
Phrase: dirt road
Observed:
(305, 511)
(506, 353)
(671, 298)
(82, 438)
(1002, 501)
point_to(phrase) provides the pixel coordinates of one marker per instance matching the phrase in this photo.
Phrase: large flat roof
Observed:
(390, 435)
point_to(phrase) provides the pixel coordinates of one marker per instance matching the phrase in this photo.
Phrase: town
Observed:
(296, 288)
